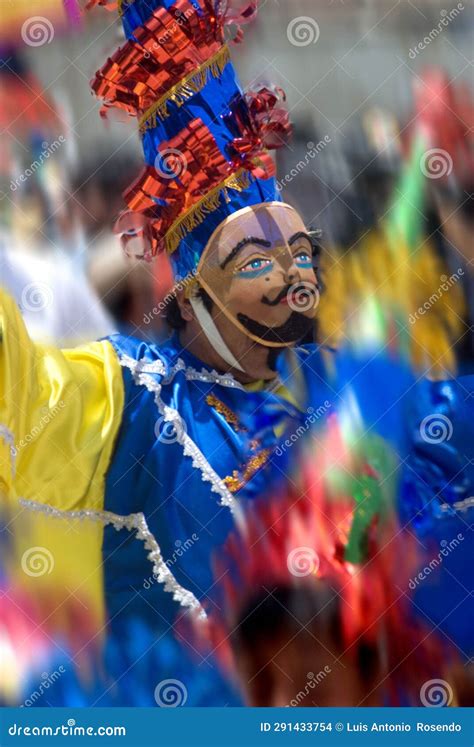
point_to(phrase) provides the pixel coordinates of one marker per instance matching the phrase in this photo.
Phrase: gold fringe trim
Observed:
(206, 205)
(187, 87)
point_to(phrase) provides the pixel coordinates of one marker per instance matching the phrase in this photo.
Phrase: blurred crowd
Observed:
(62, 261)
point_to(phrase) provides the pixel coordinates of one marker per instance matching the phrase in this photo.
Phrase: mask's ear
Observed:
(184, 304)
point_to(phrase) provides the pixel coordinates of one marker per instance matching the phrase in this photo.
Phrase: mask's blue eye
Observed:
(256, 267)
(303, 259)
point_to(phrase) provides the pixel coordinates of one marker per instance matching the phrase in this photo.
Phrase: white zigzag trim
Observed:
(132, 522)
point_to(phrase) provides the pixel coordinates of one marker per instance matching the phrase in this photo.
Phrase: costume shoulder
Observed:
(137, 355)
(59, 415)
(152, 365)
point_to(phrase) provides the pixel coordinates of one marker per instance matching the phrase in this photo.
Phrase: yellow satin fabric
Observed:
(60, 412)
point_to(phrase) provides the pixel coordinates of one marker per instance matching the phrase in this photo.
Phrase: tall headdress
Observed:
(205, 141)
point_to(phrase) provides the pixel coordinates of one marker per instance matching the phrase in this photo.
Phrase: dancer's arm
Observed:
(59, 416)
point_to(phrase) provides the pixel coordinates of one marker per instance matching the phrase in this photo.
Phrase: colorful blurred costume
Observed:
(146, 442)
(322, 552)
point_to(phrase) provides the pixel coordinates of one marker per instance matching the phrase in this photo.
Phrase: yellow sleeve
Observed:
(60, 412)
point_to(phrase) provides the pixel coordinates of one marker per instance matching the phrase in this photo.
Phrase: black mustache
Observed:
(285, 291)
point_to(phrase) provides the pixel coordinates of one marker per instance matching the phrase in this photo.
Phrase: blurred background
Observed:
(351, 70)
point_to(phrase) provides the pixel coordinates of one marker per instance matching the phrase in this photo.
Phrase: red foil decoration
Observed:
(201, 167)
(264, 124)
(188, 167)
(169, 46)
(237, 17)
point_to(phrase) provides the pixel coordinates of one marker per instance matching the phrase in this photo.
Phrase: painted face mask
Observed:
(258, 269)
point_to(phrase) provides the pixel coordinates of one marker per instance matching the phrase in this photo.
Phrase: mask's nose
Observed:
(292, 274)
(287, 262)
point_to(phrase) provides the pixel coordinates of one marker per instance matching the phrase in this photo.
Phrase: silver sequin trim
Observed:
(137, 523)
(458, 505)
(191, 374)
(212, 377)
(190, 449)
(143, 365)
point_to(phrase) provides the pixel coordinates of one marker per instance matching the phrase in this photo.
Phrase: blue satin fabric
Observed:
(213, 99)
(430, 426)
(150, 475)
(439, 475)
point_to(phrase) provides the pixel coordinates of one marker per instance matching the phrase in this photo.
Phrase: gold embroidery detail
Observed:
(236, 481)
(187, 87)
(225, 411)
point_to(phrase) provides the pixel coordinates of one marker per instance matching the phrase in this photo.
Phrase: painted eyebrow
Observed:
(299, 235)
(245, 242)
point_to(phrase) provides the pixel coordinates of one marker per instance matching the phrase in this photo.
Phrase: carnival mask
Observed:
(258, 268)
